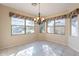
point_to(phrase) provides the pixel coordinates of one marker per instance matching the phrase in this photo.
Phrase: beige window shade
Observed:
(11, 14)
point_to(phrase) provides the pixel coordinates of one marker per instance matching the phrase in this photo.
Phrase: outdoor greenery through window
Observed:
(42, 27)
(20, 26)
(74, 26)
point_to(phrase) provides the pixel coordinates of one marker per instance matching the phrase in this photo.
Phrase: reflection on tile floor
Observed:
(39, 48)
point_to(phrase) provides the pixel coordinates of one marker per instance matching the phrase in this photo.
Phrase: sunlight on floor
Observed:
(26, 52)
(45, 49)
(48, 50)
(41, 48)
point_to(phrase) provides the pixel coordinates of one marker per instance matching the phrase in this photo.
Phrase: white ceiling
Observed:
(46, 9)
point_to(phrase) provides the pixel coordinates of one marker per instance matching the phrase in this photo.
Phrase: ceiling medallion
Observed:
(34, 4)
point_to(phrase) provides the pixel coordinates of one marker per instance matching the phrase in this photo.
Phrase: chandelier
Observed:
(39, 20)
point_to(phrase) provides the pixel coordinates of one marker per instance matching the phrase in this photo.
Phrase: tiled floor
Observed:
(39, 48)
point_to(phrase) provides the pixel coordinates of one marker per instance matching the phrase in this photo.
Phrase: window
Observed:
(60, 26)
(29, 26)
(21, 26)
(74, 26)
(42, 27)
(50, 28)
(17, 25)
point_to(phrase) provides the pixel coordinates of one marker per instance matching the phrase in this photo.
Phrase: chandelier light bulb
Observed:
(42, 19)
(37, 18)
(34, 19)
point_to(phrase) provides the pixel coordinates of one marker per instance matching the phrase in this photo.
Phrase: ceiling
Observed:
(46, 9)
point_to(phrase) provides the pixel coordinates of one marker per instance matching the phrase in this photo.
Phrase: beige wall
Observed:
(6, 40)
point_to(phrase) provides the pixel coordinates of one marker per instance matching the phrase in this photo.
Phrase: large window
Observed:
(17, 25)
(42, 27)
(21, 26)
(50, 28)
(29, 26)
(74, 26)
(60, 26)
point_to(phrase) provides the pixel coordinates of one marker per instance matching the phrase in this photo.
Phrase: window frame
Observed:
(71, 25)
(29, 26)
(17, 25)
(64, 26)
(21, 25)
(51, 26)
